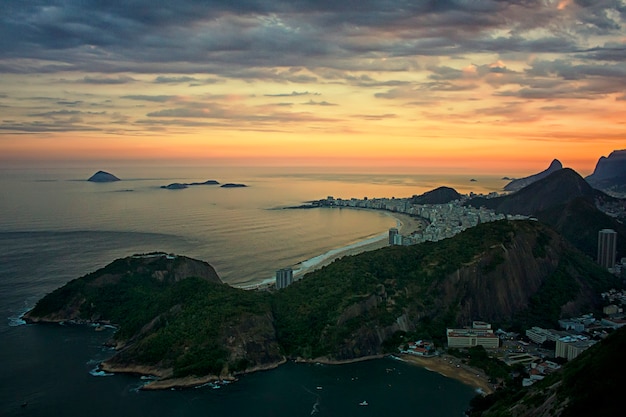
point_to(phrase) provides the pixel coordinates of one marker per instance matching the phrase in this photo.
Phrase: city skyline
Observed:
(491, 86)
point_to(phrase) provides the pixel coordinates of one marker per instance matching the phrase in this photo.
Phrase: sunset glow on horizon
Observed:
(489, 86)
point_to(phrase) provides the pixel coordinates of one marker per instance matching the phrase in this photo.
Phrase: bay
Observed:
(55, 226)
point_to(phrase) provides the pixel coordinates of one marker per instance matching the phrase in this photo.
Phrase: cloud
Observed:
(156, 99)
(409, 53)
(120, 79)
(161, 79)
(293, 94)
(318, 103)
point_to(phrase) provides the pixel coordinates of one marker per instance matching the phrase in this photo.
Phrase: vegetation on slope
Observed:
(433, 286)
(357, 306)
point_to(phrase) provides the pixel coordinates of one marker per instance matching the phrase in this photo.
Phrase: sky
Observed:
(482, 85)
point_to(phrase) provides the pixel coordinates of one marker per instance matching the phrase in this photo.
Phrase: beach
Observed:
(451, 367)
(404, 223)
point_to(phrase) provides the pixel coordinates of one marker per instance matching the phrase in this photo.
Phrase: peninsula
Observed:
(178, 321)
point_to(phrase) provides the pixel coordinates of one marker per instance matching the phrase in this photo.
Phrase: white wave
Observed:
(15, 321)
(98, 372)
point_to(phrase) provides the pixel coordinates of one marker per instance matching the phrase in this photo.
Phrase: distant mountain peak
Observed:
(610, 172)
(520, 183)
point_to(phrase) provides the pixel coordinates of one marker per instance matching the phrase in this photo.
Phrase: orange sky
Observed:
(484, 86)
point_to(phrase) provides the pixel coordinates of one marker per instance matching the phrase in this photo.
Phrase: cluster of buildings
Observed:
(444, 220)
(568, 344)
(447, 220)
(419, 348)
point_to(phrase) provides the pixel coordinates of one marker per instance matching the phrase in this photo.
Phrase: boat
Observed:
(363, 403)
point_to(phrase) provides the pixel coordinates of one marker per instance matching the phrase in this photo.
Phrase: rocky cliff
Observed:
(514, 273)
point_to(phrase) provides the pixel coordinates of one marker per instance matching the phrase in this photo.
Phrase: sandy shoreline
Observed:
(405, 224)
(446, 365)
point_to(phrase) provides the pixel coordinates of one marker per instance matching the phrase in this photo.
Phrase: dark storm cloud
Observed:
(174, 80)
(225, 37)
(107, 80)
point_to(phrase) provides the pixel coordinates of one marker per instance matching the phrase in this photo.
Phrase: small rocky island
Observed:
(103, 176)
(183, 185)
(232, 185)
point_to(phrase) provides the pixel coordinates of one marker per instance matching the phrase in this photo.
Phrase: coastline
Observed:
(405, 224)
(446, 366)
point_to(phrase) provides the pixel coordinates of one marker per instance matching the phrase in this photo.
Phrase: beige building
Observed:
(480, 334)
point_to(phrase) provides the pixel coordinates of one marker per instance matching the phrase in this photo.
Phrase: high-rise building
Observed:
(393, 232)
(607, 247)
(284, 278)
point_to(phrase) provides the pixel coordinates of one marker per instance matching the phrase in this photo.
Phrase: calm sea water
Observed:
(54, 227)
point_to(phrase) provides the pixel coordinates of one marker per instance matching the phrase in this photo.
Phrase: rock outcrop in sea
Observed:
(103, 176)
(232, 185)
(183, 185)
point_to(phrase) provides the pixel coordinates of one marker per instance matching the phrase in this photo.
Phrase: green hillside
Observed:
(512, 273)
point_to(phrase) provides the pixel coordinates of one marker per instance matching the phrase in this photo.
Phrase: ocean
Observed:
(55, 226)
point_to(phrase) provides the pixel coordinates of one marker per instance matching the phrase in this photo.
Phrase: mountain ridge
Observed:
(518, 184)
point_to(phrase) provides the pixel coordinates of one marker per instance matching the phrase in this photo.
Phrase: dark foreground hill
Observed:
(565, 201)
(590, 385)
(174, 324)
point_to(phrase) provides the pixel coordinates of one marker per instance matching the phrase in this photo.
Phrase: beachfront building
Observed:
(284, 278)
(480, 334)
(393, 234)
(419, 348)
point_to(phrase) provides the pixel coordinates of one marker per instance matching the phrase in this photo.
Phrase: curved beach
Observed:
(446, 365)
(405, 224)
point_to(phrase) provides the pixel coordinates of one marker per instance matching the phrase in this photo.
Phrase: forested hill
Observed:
(510, 273)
